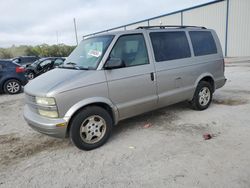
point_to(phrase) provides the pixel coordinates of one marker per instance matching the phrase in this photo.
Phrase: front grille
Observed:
(30, 99)
(31, 102)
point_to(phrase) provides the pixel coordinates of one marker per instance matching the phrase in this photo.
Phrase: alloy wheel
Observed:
(93, 129)
(204, 96)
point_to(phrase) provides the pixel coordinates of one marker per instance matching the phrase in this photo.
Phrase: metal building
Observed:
(229, 18)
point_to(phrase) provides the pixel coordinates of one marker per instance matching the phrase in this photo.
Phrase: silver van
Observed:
(117, 75)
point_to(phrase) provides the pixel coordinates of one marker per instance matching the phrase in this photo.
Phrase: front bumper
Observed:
(52, 127)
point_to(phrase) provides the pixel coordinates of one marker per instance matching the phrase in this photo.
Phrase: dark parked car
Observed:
(25, 60)
(43, 65)
(12, 77)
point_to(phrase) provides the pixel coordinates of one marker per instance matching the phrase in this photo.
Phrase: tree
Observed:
(5, 53)
(43, 50)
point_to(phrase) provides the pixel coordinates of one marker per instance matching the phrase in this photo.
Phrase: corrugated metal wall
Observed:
(134, 26)
(212, 15)
(239, 28)
(118, 29)
(174, 19)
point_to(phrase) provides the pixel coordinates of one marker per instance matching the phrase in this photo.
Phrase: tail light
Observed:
(20, 69)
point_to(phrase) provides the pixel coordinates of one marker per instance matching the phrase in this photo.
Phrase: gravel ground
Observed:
(169, 153)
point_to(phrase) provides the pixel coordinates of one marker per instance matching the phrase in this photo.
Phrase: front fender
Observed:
(90, 101)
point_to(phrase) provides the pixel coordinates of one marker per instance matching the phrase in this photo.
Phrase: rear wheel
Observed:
(202, 96)
(30, 75)
(12, 86)
(91, 128)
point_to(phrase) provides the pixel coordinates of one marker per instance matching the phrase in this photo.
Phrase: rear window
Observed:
(7, 64)
(170, 45)
(203, 43)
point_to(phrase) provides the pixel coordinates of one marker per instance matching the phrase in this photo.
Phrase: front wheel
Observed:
(202, 96)
(90, 128)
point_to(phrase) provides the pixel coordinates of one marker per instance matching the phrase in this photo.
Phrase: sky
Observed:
(33, 22)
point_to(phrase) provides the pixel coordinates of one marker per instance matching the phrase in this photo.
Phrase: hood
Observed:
(60, 80)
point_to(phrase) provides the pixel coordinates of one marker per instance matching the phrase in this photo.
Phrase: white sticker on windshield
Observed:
(95, 53)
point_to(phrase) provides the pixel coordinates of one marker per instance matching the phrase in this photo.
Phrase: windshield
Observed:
(88, 54)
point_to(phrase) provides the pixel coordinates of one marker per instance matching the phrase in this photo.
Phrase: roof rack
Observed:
(170, 26)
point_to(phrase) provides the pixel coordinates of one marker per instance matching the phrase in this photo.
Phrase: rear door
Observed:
(7, 70)
(1, 70)
(132, 88)
(172, 56)
(208, 55)
(44, 66)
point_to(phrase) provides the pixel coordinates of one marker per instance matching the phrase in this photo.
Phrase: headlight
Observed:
(45, 101)
(46, 113)
(47, 107)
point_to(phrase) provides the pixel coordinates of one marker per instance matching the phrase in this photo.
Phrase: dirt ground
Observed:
(170, 153)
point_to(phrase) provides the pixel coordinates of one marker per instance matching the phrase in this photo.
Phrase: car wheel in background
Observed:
(12, 86)
(30, 75)
(90, 128)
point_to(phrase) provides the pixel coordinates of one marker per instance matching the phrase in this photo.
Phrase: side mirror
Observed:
(114, 63)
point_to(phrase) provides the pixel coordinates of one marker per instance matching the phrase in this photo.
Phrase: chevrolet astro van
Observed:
(113, 76)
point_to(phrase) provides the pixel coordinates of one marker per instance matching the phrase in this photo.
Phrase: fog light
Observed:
(51, 114)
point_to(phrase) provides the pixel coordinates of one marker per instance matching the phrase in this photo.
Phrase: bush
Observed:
(44, 50)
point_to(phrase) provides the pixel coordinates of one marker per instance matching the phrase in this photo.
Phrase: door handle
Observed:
(152, 76)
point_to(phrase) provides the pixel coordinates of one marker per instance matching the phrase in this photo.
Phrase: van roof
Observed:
(155, 27)
(170, 26)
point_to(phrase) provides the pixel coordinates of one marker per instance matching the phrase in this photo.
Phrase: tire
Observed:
(90, 128)
(30, 75)
(203, 96)
(12, 86)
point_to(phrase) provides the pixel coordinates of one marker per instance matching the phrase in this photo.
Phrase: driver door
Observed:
(132, 88)
(44, 66)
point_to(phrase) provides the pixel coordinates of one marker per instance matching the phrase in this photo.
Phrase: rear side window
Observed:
(203, 43)
(170, 45)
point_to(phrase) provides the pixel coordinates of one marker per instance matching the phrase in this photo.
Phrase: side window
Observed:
(28, 59)
(31, 59)
(203, 43)
(58, 62)
(44, 63)
(170, 45)
(131, 49)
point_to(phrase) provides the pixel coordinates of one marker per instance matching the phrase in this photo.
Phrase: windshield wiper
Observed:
(77, 67)
(83, 68)
(70, 63)
(73, 66)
